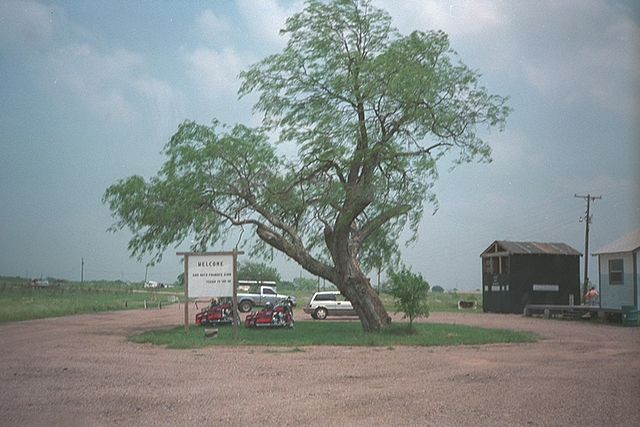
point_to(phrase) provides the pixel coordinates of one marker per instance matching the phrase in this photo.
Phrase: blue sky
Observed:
(90, 91)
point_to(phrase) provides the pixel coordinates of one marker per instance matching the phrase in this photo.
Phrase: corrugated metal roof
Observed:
(627, 243)
(533, 248)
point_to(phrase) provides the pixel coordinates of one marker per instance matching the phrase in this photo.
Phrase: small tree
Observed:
(409, 291)
(257, 271)
(437, 289)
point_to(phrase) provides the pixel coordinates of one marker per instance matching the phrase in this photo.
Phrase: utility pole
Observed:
(82, 272)
(587, 220)
(146, 270)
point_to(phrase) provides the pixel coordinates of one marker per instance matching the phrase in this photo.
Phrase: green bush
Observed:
(409, 291)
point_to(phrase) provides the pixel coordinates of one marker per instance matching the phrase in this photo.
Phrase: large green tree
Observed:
(371, 112)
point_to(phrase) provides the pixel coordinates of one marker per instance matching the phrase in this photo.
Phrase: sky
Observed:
(91, 91)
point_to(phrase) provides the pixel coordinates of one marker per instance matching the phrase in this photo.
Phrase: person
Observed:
(592, 296)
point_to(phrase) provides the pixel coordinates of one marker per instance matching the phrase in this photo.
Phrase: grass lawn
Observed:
(18, 302)
(309, 333)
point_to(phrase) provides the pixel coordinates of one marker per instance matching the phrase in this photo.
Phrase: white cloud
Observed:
(114, 84)
(25, 23)
(596, 71)
(574, 51)
(216, 63)
(100, 80)
(165, 104)
(265, 18)
(457, 18)
(580, 52)
(210, 26)
(216, 71)
(512, 148)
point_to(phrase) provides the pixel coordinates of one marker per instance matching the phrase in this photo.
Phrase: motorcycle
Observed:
(215, 314)
(279, 316)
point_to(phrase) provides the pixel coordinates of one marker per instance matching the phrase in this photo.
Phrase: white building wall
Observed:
(615, 296)
(637, 255)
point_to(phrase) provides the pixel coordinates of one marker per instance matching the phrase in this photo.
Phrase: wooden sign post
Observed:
(209, 275)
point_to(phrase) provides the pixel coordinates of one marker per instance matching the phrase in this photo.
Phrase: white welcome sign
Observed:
(210, 275)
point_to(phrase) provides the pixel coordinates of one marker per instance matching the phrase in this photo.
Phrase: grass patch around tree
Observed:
(339, 333)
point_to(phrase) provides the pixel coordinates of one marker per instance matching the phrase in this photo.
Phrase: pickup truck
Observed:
(246, 301)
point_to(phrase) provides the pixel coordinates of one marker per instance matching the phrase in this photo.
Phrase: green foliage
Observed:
(409, 291)
(437, 289)
(257, 271)
(310, 333)
(196, 191)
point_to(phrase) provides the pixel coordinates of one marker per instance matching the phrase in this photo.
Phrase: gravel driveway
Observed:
(81, 370)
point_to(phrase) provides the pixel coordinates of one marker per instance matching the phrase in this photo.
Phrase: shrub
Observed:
(409, 291)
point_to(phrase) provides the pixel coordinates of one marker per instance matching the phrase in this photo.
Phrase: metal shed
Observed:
(515, 274)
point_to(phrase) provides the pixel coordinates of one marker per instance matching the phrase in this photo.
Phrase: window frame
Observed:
(325, 297)
(616, 275)
(496, 265)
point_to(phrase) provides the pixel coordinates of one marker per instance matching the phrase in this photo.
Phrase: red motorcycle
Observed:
(215, 314)
(279, 316)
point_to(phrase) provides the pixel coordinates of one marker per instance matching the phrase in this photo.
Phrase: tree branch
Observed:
(378, 221)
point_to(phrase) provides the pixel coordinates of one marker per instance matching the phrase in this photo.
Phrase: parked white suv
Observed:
(328, 303)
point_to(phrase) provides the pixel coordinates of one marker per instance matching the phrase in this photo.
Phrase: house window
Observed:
(487, 266)
(616, 272)
(496, 265)
(504, 265)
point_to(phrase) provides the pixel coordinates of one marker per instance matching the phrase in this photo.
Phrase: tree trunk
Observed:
(366, 303)
(345, 274)
(352, 283)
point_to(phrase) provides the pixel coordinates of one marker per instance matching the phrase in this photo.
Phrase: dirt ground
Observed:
(81, 370)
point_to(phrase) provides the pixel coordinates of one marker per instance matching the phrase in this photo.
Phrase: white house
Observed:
(618, 264)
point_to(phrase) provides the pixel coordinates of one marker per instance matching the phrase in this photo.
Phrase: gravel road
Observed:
(82, 371)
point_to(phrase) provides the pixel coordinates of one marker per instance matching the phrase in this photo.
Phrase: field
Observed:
(18, 301)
